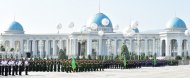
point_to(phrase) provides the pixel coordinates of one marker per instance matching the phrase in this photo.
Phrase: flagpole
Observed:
(99, 6)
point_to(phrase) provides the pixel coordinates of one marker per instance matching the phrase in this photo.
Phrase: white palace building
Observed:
(96, 39)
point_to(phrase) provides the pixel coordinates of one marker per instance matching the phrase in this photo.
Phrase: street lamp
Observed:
(71, 26)
(101, 33)
(59, 26)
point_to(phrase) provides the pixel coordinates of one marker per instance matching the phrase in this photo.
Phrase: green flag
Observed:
(124, 54)
(124, 61)
(154, 60)
(73, 63)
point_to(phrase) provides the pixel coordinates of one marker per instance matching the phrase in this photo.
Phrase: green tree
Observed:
(62, 54)
(2, 48)
(178, 58)
(124, 52)
(89, 57)
(12, 49)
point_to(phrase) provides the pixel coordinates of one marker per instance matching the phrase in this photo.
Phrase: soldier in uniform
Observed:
(6, 68)
(26, 64)
(3, 67)
(50, 65)
(20, 65)
(67, 66)
(0, 67)
(16, 67)
(55, 65)
(58, 65)
(70, 67)
(9, 66)
(30, 67)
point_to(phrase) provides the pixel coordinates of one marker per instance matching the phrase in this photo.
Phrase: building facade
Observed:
(96, 39)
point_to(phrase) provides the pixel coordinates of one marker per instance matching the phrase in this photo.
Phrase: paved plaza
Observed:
(182, 71)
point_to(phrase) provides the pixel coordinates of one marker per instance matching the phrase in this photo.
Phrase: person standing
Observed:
(26, 63)
(16, 67)
(6, 67)
(55, 65)
(3, 67)
(13, 66)
(0, 67)
(58, 65)
(9, 66)
(20, 65)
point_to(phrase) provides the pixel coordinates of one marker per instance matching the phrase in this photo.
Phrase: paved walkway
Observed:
(182, 71)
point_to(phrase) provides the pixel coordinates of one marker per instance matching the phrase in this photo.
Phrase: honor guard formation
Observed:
(12, 67)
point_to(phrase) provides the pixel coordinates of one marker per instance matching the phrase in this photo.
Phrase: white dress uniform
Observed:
(9, 67)
(26, 67)
(12, 63)
(26, 63)
(19, 63)
(6, 67)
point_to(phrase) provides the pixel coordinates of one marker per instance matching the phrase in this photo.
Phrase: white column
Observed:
(40, 43)
(47, 48)
(34, 48)
(138, 46)
(115, 47)
(100, 46)
(168, 47)
(131, 46)
(146, 46)
(74, 47)
(188, 46)
(160, 47)
(22, 47)
(154, 46)
(70, 48)
(13, 46)
(67, 47)
(186, 49)
(28, 45)
(54, 48)
(179, 43)
(89, 46)
(61, 44)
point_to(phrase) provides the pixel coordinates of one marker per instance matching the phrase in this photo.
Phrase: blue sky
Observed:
(42, 16)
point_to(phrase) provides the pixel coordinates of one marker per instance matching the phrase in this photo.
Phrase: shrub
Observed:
(178, 58)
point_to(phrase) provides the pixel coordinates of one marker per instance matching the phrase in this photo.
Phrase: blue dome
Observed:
(136, 30)
(98, 20)
(15, 26)
(176, 23)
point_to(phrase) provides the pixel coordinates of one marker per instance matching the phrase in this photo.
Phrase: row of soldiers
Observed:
(90, 65)
(65, 65)
(13, 67)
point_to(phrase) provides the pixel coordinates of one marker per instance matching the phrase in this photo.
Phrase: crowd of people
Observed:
(17, 66)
